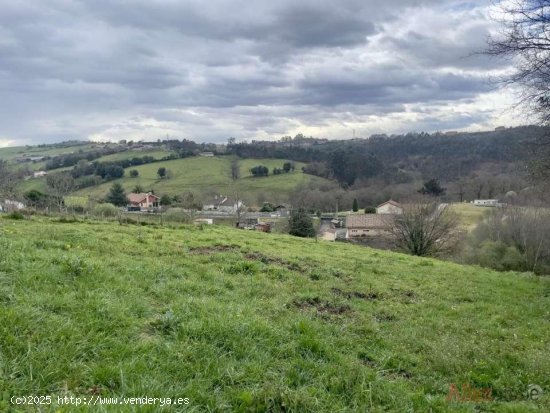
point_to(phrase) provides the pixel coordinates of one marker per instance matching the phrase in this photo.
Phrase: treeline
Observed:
(398, 159)
(71, 159)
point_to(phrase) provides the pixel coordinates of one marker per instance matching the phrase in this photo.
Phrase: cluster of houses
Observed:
(362, 226)
(148, 202)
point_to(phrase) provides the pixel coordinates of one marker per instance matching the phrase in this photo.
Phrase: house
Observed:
(11, 205)
(263, 227)
(223, 204)
(143, 201)
(39, 174)
(389, 207)
(486, 202)
(206, 221)
(367, 225)
(247, 223)
(207, 154)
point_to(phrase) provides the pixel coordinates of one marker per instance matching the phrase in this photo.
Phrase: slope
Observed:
(243, 321)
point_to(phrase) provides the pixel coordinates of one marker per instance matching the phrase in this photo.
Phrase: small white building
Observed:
(206, 221)
(389, 207)
(223, 204)
(39, 174)
(486, 202)
(11, 205)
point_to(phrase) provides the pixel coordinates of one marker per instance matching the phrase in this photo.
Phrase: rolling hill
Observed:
(205, 175)
(252, 322)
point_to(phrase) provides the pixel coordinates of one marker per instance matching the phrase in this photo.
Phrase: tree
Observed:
(8, 181)
(355, 205)
(134, 173)
(424, 228)
(59, 185)
(433, 188)
(267, 207)
(526, 39)
(138, 189)
(260, 170)
(165, 200)
(301, 224)
(235, 169)
(288, 166)
(161, 172)
(116, 195)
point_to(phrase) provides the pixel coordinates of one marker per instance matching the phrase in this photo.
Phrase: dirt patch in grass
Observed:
(371, 295)
(405, 296)
(258, 256)
(321, 306)
(213, 249)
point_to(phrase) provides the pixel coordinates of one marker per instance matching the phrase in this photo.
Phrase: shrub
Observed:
(512, 238)
(370, 210)
(105, 210)
(15, 215)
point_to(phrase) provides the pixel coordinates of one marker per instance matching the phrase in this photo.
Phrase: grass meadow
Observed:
(205, 175)
(240, 321)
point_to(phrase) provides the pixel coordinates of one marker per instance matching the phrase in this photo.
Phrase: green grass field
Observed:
(210, 175)
(252, 322)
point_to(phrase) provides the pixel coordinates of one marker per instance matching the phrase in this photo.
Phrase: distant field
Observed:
(469, 215)
(241, 321)
(204, 175)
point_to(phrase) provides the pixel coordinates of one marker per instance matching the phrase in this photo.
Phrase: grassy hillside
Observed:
(252, 322)
(203, 175)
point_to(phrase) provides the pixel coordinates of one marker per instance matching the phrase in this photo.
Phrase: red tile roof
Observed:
(368, 221)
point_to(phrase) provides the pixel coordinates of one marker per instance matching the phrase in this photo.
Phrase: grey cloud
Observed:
(73, 69)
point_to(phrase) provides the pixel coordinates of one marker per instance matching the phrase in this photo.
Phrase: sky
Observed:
(210, 70)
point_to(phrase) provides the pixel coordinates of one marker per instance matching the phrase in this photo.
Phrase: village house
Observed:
(389, 207)
(223, 204)
(143, 201)
(367, 225)
(486, 202)
(39, 174)
(11, 205)
(207, 154)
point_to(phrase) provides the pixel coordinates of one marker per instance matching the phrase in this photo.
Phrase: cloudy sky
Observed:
(209, 70)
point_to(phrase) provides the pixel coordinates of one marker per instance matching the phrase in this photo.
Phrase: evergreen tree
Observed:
(433, 188)
(117, 196)
(165, 200)
(301, 224)
(355, 205)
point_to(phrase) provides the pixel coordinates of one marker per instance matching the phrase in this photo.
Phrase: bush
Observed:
(176, 215)
(370, 210)
(15, 215)
(105, 210)
(512, 238)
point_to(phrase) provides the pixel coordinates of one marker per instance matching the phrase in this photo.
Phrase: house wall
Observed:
(389, 209)
(364, 232)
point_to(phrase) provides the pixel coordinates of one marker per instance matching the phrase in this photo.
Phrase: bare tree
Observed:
(424, 228)
(235, 169)
(59, 186)
(9, 181)
(526, 40)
